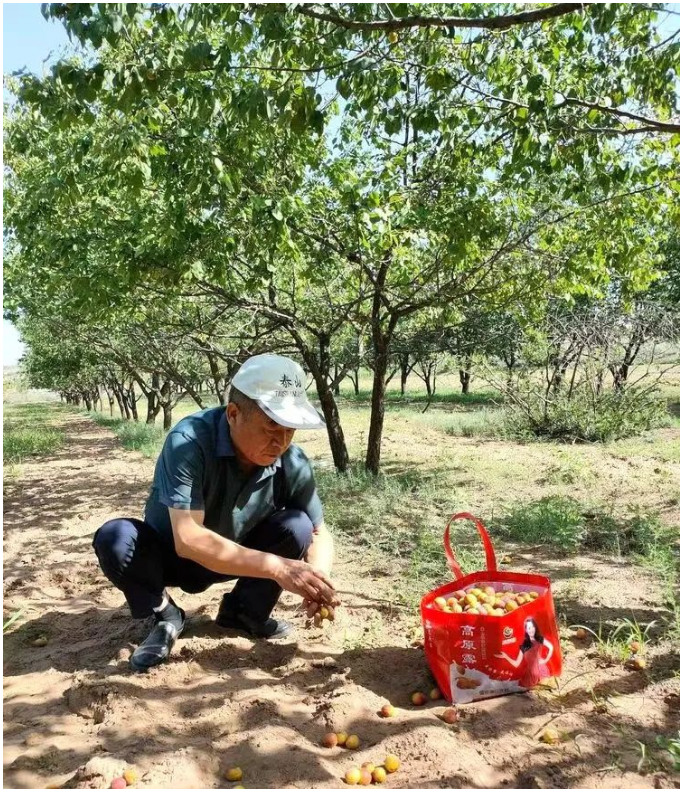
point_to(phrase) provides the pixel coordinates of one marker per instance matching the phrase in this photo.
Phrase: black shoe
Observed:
(232, 619)
(156, 647)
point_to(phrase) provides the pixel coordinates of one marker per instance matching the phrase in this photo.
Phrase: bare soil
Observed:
(226, 701)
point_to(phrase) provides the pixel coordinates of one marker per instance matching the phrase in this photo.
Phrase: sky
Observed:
(27, 40)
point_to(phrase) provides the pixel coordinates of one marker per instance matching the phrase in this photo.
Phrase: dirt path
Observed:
(225, 701)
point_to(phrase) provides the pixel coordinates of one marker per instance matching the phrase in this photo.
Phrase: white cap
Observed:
(277, 384)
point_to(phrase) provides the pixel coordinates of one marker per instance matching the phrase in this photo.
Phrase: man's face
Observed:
(257, 437)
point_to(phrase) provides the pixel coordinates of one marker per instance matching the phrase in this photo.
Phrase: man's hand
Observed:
(312, 608)
(302, 579)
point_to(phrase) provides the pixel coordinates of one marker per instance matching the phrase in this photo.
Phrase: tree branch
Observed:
(407, 22)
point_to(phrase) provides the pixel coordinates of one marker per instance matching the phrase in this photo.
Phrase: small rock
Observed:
(33, 738)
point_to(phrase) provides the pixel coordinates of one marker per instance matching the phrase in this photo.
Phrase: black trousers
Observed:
(141, 564)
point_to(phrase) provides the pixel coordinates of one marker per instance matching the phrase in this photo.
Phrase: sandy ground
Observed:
(225, 701)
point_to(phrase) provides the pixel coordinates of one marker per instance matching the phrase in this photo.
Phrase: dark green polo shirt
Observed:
(198, 470)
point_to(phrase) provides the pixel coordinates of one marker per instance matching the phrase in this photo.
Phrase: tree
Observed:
(469, 168)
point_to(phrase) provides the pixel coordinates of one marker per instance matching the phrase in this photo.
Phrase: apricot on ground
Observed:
(330, 740)
(352, 742)
(379, 775)
(118, 783)
(366, 777)
(342, 737)
(387, 711)
(130, 776)
(637, 663)
(550, 736)
(418, 699)
(450, 715)
(234, 774)
(353, 776)
(435, 694)
(391, 763)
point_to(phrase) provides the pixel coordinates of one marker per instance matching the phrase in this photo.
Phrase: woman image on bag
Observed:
(535, 651)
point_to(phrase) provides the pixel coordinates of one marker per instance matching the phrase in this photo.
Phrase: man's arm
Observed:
(205, 547)
(320, 553)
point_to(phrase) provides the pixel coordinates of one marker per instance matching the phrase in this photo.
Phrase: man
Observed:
(231, 497)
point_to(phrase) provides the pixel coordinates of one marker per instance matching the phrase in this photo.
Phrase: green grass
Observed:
(482, 397)
(147, 439)
(28, 431)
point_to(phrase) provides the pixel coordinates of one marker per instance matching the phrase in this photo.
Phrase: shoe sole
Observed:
(240, 630)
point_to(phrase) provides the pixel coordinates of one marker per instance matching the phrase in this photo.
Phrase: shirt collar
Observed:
(224, 447)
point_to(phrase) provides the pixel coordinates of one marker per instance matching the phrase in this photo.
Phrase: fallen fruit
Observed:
(387, 711)
(234, 774)
(391, 763)
(550, 736)
(342, 737)
(418, 699)
(450, 715)
(366, 777)
(324, 613)
(40, 641)
(379, 775)
(118, 783)
(489, 590)
(511, 605)
(130, 776)
(637, 663)
(330, 740)
(635, 646)
(580, 634)
(353, 776)
(435, 694)
(441, 603)
(368, 766)
(352, 742)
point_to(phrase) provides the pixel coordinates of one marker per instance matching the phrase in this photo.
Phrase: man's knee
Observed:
(114, 543)
(297, 527)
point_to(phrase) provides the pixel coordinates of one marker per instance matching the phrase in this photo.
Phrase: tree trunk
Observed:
(464, 375)
(132, 399)
(320, 370)
(377, 414)
(405, 370)
(218, 381)
(88, 402)
(167, 416)
(355, 381)
(336, 381)
(153, 405)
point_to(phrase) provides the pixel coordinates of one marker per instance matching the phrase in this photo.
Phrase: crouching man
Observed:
(232, 498)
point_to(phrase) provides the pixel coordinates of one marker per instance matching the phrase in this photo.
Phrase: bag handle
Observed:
(486, 540)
